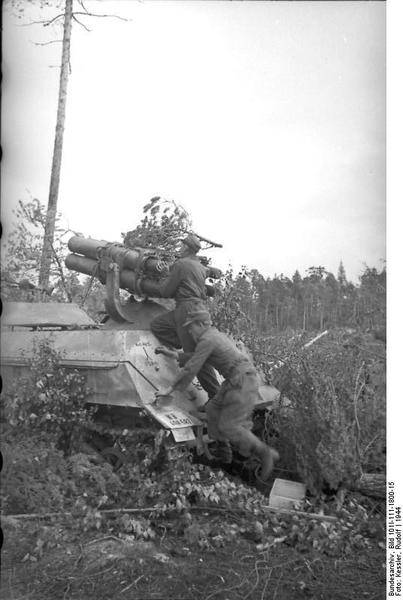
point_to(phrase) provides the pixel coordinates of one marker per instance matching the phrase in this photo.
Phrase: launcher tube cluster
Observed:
(93, 257)
(128, 258)
(138, 268)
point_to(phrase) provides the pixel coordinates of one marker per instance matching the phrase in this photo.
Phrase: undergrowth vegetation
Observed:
(163, 501)
(330, 423)
(173, 500)
(332, 410)
(46, 400)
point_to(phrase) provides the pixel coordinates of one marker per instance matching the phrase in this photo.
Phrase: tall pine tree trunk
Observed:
(321, 317)
(47, 250)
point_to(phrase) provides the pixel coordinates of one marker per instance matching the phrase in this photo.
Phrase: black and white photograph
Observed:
(199, 346)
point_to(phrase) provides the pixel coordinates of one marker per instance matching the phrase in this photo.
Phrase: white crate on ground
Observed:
(284, 494)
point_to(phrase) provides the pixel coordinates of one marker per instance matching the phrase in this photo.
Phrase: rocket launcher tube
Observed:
(136, 265)
(128, 279)
(128, 258)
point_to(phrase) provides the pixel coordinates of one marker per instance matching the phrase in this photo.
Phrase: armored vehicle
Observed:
(118, 357)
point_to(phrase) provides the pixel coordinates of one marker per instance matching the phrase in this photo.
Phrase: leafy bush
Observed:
(96, 484)
(331, 425)
(162, 227)
(185, 487)
(33, 477)
(49, 400)
(335, 412)
(36, 477)
(351, 531)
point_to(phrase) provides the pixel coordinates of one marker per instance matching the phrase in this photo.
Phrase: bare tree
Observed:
(47, 252)
(68, 15)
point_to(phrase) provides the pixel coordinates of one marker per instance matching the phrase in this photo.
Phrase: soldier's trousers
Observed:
(229, 414)
(169, 330)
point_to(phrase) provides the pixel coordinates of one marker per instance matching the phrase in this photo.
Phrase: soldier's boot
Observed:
(267, 456)
(221, 451)
(224, 452)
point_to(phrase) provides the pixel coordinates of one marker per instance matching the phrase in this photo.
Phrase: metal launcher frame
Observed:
(117, 267)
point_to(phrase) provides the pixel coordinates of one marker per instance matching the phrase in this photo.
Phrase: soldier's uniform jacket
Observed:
(186, 283)
(187, 280)
(219, 351)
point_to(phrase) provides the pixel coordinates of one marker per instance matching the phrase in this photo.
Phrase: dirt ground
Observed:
(104, 566)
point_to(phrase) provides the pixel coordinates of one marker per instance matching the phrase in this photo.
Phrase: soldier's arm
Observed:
(183, 357)
(213, 272)
(193, 365)
(168, 287)
(194, 362)
(171, 284)
(166, 352)
(180, 356)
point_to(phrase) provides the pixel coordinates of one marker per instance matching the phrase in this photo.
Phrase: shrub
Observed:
(49, 400)
(33, 476)
(36, 477)
(331, 425)
(335, 412)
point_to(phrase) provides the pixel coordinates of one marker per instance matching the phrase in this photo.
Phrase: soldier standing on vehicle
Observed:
(187, 285)
(229, 413)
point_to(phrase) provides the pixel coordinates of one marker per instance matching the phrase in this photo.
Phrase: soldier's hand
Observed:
(199, 414)
(165, 352)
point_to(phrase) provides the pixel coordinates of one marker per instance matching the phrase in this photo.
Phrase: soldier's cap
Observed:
(192, 241)
(198, 315)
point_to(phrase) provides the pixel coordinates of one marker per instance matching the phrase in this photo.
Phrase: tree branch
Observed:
(79, 22)
(46, 43)
(357, 393)
(45, 23)
(88, 14)
(81, 3)
(61, 273)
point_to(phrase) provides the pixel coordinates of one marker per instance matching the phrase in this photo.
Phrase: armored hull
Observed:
(118, 359)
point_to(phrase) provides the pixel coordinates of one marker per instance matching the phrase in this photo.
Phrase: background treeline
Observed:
(315, 300)
(318, 300)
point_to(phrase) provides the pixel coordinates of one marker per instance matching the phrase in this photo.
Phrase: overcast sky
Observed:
(265, 120)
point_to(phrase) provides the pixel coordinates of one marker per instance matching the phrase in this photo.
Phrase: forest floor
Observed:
(105, 565)
(212, 545)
